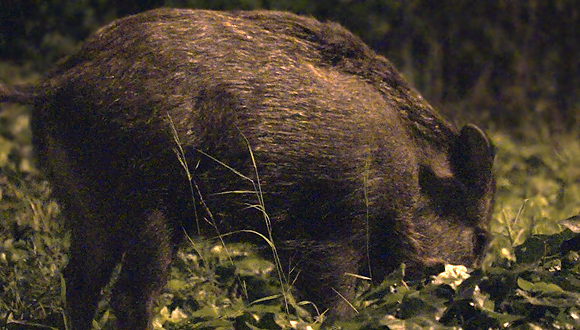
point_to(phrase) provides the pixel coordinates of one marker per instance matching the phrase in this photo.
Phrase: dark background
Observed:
(503, 62)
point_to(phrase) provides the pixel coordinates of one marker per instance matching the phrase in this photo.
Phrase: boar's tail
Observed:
(22, 94)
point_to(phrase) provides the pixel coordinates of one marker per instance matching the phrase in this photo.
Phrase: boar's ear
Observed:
(472, 160)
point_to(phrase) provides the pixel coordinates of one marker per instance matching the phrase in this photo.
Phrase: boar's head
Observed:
(456, 201)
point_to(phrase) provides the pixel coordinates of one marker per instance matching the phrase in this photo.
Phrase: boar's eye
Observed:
(447, 194)
(480, 240)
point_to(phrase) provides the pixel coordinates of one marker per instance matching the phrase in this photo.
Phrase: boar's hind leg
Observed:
(94, 253)
(143, 273)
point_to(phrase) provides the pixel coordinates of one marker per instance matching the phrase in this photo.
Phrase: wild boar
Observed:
(259, 120)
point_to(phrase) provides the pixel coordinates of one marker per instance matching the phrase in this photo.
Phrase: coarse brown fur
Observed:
(356, 172)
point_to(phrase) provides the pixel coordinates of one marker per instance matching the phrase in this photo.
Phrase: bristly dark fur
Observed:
(357, 173)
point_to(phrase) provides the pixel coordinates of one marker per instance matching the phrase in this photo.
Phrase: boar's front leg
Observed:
(143, 273)
(322, 273)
